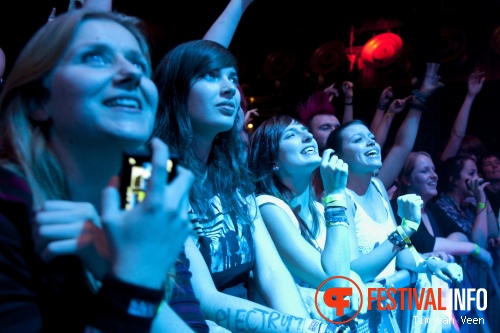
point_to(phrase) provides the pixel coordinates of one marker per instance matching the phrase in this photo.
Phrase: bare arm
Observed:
(475, 84)
(233, 313)
(223, 29)
(283, 295)
(462, 249)
(407, 132)
(104, 5)
(348, 97)
(382, 105)
(403, 144)
(397, 106)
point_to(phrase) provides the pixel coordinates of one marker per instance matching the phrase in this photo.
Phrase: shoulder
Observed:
(378, 183)
(13, 187)
(16, 200)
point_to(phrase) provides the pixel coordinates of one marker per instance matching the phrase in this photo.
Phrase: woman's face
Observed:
(297, 150)
(101, 91)
(491, 168)
(214, 101)
(360, 150)
(469, 171)
(423, 179)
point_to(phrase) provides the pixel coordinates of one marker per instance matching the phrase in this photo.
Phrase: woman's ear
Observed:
(405, 181)
(453, 181)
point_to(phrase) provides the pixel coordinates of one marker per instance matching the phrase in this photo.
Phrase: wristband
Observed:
(336, 224)
(382, 106)
(334, 215)
(390, 114)
(410, 224)
(347, 103)
(335, 200)
(481, 205)
(408, 243)
(476, 251)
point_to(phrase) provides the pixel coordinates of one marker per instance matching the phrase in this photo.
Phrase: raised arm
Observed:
(407, 132)
(104, 5)
(348, 97)
(397, 106)
(475, 84)
(223, 29)
(382, 105)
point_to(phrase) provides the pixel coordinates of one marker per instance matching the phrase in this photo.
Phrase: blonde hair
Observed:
(23, 141)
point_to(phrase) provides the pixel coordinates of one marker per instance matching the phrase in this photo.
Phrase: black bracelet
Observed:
(396, 240)
(418, 95)
(382, 106)
(347, 103)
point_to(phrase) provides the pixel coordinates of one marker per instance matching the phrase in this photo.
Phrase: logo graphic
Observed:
(336, 298)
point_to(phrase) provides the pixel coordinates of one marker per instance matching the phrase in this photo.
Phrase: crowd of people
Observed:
(252, 225)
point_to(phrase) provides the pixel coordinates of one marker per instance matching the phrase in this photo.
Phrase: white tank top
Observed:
(371, 233)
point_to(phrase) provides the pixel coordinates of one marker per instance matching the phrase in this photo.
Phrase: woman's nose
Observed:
(227, 86)
(129, 75)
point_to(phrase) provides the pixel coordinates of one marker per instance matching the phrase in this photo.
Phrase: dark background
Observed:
(277, 40)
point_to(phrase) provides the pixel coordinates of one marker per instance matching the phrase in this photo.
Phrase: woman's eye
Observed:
(141, 65)
(210, 75)
(94, 58)
(234, 80)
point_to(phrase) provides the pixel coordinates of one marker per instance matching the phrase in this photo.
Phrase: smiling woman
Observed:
(312, 240)
(67, 114)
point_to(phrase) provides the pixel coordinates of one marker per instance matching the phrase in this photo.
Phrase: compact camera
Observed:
(136, 173)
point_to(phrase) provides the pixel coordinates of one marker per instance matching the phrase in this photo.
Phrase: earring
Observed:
(276, 168)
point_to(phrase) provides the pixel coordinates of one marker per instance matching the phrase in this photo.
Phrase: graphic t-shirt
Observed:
(227, 247)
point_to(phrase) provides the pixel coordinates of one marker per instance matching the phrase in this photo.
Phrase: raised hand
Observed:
(347, 90)
(475, 83)
(431, 81)
(409, 208)
(398, 105)
(331, 92)
(146, 240)
(249, 115)
(385, 98)
(334, 172)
